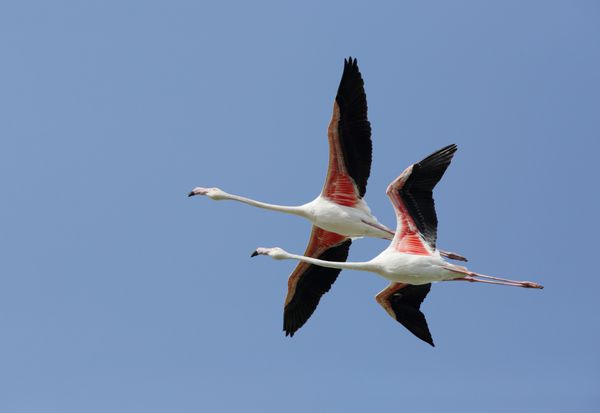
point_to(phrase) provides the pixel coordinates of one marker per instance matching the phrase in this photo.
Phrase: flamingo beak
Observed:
(199, 191)
(254, 254)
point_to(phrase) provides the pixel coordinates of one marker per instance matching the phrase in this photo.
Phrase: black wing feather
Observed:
(406, 304)
(315, 282)
(354, 128)
(417, 191)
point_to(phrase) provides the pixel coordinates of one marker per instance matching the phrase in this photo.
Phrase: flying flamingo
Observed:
(411, 262)
(339, 213)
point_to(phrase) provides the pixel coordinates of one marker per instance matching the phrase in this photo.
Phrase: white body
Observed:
(412, 269)
(400, 267)
(352, 222)
(390, 264)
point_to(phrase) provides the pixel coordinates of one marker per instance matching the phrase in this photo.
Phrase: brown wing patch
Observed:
(403, 303)
(408, 239)
(308, 283)
(349, 135)
(339, 186)
(353, 126)
(412, 196)
(320, 241)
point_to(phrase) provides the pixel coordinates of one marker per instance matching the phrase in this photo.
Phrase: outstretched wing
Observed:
(349, 136)
(412, 196)
(403, 304)
(308, 282)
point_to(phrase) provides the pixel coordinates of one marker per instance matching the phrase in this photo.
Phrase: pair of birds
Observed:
(339, 214)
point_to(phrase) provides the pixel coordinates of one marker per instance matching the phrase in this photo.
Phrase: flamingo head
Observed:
(213, 193)
(275, 253)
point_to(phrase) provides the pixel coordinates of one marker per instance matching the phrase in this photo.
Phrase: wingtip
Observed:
(426, 335)
(450, 148)
(254, 254)
(440, 158)
(351, 63)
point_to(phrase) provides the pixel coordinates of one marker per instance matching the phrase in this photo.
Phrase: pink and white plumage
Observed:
(339, 213)
(411, 261)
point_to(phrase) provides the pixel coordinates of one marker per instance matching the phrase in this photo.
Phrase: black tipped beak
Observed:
(254, 254)
(191, 194)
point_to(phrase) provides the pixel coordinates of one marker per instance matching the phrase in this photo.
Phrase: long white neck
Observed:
(295, 210)
(359, 266)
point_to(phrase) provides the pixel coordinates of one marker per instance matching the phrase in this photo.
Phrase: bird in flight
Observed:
(339, 213)
(411, 262)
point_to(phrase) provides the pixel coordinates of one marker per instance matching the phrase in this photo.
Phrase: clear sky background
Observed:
(120, 294)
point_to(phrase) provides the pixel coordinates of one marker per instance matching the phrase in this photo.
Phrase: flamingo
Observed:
(411, 261)
(339, 214)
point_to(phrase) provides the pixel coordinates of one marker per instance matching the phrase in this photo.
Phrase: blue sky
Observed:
(120, 294)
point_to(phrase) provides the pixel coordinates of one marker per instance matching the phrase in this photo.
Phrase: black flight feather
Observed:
(354, 128)
(406, 304)
(311, 286)
(417, 191)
